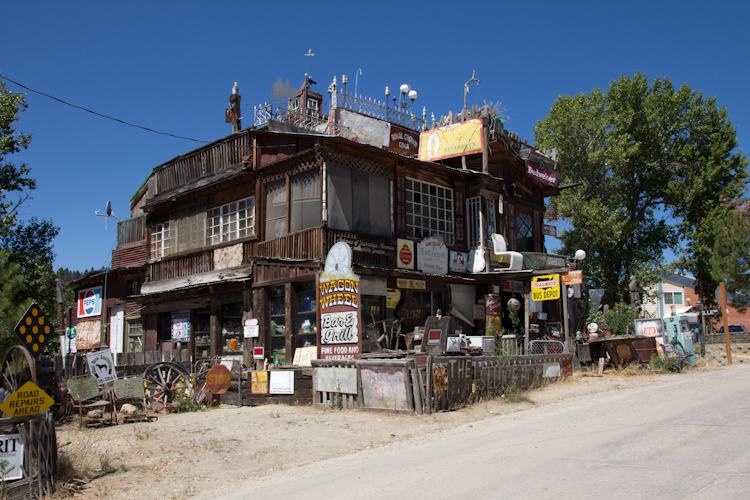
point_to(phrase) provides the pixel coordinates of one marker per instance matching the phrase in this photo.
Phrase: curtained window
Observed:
(305, 193)
(358, 201)
(276, 209)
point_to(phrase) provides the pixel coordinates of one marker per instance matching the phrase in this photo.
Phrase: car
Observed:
(734, 328)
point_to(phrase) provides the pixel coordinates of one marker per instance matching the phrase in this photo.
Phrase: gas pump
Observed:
(679, 327)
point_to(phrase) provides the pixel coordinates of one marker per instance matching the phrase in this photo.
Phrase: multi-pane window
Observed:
(232, 221)
(304, 212)
(524, 232)
(474, 221)
(135, 334)
(160, 240)
(429, 210)
(673, 298)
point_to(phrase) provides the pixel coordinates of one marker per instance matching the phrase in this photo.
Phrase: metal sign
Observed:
(102, 366)
(545, 287)
(28, 400)
(34, 330)
(218, 379)
(258, 353)
(11, 456)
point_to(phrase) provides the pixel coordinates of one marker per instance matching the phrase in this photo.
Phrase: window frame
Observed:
(224, 216)
(414, 198)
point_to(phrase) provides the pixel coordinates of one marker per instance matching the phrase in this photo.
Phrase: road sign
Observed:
(28, 400)
(34, 330)
(218, 379)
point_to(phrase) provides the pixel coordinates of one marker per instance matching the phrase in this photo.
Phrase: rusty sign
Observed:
(218, 379)
(411, 313)
(403, 141)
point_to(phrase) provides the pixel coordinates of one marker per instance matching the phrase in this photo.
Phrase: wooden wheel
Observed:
(18, 368)
(165, 381)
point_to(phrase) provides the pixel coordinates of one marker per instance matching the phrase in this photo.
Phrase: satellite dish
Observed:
(108, 213)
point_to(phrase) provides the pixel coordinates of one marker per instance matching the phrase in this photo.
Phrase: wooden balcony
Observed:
(131, 231)
(181, 266)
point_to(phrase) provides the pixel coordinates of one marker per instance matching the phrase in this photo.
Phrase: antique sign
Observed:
(281, 382)
(90, 302)
(459, 262)
(102, 366)
(34, 330)
(572, 278)
(259, 382)
(549, 230)
(403, 141)
(339, 301)
(218, 379)
(28, 400)
(437, 334)
(412, 284)
(335, 379)
(454, 140)
(411, 313)
(433, 256)
(384, 388)
(366, 130)
(539, 172)
(545, 287)
(404, 254)
(11, 456)
(181, 327)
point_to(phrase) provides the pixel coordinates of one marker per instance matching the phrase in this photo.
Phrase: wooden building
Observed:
(239, 229)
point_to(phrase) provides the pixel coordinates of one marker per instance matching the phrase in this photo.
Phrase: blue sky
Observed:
(170, 66)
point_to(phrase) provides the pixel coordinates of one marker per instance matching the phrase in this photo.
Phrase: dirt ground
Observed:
(199, 454)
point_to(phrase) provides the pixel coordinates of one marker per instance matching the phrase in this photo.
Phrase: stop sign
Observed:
(218, 379)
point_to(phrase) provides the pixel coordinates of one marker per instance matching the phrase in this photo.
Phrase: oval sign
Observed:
(218, 379)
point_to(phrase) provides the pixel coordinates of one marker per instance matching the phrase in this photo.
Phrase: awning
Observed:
(456, 313)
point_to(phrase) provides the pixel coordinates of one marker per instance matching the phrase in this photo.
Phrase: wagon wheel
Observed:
(60, 407)
(18, 368)
(165, 381)
(201, 392)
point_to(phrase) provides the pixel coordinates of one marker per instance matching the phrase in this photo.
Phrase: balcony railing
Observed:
(182, 266)
(131, 231)
(207, 161)
(377, 110)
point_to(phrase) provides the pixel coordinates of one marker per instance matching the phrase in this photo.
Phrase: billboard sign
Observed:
(458, 139)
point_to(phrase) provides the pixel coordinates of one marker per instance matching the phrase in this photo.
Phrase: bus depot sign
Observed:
(26, 401)
(545, 287)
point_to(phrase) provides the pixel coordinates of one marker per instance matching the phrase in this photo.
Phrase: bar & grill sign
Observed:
(339, 303)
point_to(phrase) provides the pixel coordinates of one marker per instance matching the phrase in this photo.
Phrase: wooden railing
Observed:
(301, 245)
(131, 231)
(181, 266)
(207, 161)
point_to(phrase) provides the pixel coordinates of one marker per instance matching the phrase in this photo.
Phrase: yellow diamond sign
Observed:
(28, 400)
(34, 330)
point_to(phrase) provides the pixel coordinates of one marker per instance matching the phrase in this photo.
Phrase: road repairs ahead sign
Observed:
(28, 400)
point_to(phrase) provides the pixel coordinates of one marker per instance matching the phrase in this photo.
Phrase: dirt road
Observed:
(208, 454)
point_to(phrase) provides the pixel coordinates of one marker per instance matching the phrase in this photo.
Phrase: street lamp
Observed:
(405, 90)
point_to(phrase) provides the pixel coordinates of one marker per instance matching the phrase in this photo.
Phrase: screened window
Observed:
(524, 232)
(429, 210)
(232, 221)
(673, 298)
(305, 192)
(135, 334)
(358, 201)
(276, 209)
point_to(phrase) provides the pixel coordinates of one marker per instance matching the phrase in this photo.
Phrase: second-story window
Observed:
(524, 233)
(160, 240)
(473, 221)
(304, 210)
(231, 221)
(429, 210)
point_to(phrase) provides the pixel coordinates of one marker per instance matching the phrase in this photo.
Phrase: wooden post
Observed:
(725, 320)
(486, 148)
(428, 397)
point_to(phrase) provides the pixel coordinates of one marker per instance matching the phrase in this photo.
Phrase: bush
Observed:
(663, 364)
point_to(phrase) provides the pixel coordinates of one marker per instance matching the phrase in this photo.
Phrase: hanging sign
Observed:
(549, 230)
(251, 328)
(90, 302)
(11, 456)
(102, 366)
(26, 401)
(538, 170)
(572, 278)
(545, 287)
(433, 256)
(339, 301)
(459, 262)
(404, 254)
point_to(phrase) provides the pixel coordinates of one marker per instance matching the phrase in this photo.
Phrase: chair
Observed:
(131, 389)
(85, 393)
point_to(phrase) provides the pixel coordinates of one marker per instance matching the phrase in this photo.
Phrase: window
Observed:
(135, 334)
(294, 104)
(312, 107)
(474, 223)
(160, 240)
(429, 210)
(673, 298)
(524, 232)
(231, 221)
(304, 212)
(491, 217)
(358, 201)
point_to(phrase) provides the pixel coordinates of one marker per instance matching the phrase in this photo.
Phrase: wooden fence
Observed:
(127, 364)
(39, 456)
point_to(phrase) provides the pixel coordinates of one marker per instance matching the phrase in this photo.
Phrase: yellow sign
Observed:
(34, 330)
(28, 400)
(454, 140)
(258, 382)
(545, 287)
(412, 284)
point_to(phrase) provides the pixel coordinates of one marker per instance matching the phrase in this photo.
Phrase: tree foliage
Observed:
(26, 253)
(653, 161)
(730, 260)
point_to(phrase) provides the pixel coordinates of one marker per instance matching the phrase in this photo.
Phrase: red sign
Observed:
(540, 172)
(218, 379)
(405, 255)
(550, 230)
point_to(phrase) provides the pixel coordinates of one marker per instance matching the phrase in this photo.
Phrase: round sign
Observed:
(218, 379)
(405, 255)
(89, 302)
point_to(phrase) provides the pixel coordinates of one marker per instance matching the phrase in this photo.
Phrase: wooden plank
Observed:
(416, 382)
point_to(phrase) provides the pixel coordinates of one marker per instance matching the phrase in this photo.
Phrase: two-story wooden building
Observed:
(239, 229)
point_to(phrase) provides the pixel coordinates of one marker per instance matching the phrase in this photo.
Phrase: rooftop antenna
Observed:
(309, 55)
(108, 214)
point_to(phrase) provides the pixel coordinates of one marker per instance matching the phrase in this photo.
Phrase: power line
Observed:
(102, 115)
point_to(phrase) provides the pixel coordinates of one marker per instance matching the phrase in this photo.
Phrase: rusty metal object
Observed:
(167, 381)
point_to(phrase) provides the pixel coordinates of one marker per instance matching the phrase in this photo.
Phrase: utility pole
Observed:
(725, 320)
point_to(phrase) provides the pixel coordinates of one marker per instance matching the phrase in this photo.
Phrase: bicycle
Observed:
(674, 350)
